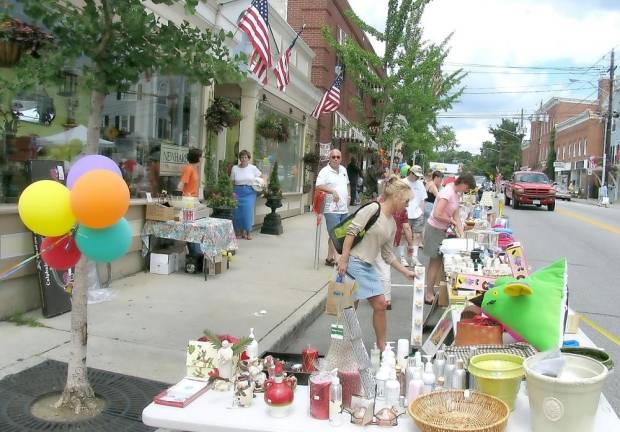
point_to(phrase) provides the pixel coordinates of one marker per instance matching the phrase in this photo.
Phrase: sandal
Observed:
(330, 262)
(388, 305)
(430, 303)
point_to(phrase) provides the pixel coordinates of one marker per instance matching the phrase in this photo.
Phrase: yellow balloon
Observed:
(45, 208)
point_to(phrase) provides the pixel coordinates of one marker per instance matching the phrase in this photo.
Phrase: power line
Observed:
(585, 72)
(527, 91)
(556, 68)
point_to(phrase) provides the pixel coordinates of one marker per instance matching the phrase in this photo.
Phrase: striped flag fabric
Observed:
(255, 24)
(281, 70)
(330, 101)
(259, 68)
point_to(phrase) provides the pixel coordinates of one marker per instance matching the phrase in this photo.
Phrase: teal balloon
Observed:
(104, 245)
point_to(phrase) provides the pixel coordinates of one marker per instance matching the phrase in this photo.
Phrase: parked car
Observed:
(530, 187)
(561, 192)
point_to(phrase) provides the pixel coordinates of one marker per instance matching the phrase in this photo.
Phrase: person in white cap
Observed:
(415, 209)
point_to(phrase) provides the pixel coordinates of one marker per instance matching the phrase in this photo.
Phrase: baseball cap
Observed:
(417, 171)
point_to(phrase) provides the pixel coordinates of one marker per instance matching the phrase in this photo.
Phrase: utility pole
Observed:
(609, 119)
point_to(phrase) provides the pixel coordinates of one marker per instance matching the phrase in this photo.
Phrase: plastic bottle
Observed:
(335, 400)
(383, 375)
(418, 359)
(440, 363)
(428, 377)
(459, 378)
(375, 358)
(449, 369)
(392, 390)
(441, 384)
(388, 355)
(252, 349)
(415, 386)
(411, 367)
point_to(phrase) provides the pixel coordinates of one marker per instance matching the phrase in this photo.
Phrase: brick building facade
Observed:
(317, 14)
(555, 110)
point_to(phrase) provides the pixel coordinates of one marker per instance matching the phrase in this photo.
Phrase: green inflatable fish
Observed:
(534, 308)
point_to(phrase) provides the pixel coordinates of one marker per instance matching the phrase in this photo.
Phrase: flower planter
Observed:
(10, 53)
(272, 224)
(223, 213)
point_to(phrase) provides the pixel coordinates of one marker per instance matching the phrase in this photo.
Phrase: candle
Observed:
(351, 385)
(309, 357)
(319, 395)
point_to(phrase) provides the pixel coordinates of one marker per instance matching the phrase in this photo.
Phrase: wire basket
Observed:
(458, 411)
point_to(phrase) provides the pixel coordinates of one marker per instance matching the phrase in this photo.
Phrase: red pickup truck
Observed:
(530, 187)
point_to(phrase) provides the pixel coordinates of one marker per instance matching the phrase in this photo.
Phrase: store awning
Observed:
(77, 133)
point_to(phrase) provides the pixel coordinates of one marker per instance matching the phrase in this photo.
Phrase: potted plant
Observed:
(223, 200)
(311, 160)
(17, 37)
(272, 224)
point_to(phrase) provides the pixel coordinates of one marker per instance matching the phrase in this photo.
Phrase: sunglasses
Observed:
(335, 157)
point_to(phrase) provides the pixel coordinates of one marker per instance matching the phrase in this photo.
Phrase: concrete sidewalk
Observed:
(143, 331)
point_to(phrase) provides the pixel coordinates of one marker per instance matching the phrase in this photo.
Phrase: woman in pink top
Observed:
(445, 213)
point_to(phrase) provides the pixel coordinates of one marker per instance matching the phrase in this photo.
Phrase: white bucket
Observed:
(567, 403)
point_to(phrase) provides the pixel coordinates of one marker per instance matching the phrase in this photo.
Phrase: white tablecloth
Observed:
(213, 412)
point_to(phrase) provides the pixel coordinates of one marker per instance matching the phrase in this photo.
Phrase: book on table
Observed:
(182, 394)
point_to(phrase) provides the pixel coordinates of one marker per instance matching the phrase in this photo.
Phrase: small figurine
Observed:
(244, 392)
(225, 360)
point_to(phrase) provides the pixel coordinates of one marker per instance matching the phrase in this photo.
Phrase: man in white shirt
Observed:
(334, 181)
(415, 209)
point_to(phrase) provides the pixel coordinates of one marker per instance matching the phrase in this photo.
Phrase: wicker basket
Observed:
(449, 410)
(160, 212)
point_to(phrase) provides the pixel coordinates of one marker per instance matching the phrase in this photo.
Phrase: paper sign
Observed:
(171, 159)
(337, 331)
(474, 282)
(517, 261)
(324, 149)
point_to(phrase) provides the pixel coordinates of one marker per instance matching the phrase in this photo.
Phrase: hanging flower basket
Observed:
(17, 37)
(10, 53)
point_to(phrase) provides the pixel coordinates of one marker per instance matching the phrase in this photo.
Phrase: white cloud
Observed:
(514, 33)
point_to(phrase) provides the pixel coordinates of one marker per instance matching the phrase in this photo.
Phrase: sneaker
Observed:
(404, 262)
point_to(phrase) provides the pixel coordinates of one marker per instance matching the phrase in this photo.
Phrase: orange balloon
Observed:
(99, 198)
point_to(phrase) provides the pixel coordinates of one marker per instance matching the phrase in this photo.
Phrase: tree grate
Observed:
(125, 398)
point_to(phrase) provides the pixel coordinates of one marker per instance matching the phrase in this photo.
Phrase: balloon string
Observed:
(17, 267)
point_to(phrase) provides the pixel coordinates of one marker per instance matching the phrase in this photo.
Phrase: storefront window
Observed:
(146, 130)
(279, 138)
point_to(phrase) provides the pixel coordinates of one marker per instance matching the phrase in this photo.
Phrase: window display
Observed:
(50, 122)
(279, 138)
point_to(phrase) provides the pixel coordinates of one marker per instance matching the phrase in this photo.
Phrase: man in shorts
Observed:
(334, 181)
(415, 209)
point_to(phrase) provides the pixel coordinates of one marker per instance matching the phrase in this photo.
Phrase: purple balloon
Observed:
(90, 163)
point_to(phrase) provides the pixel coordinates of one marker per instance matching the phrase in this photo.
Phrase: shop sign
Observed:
(561, 166)
(172, 159)
(324, 149)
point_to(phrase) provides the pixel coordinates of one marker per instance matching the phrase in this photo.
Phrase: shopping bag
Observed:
(339, 232)
(340, 294)
(478, 331)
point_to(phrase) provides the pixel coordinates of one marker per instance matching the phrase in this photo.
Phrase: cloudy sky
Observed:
(517, 52)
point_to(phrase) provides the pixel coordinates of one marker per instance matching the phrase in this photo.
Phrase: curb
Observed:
(290, 327)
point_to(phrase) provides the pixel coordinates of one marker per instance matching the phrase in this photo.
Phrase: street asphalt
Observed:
(585, 234)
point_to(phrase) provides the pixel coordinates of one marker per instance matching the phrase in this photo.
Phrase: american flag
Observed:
(330, 101)
(281, 70)
(255, 24)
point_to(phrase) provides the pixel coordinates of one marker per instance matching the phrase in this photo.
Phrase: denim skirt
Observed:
(367, 278)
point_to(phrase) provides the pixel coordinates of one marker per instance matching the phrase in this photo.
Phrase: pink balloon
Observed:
(90, 163)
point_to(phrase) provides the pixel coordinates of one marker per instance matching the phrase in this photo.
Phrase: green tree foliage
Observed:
(551, 157)
(407, 86)
(274, 190)
(504, 154)
(223, 196)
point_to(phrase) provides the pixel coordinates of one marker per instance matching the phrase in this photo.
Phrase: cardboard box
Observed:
(217, 265)
(164, 264)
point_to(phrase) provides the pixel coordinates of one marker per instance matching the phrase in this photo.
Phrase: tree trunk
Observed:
(94, 121)
(78, 395)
